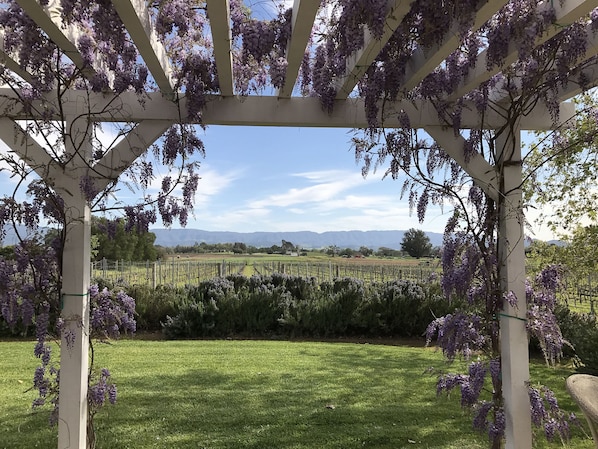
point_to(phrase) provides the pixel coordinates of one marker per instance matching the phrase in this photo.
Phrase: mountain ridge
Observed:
(304, 239)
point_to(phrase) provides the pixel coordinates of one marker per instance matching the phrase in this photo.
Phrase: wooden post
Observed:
(74, 354)
(72, 422)
(513, 332)
(154, 283)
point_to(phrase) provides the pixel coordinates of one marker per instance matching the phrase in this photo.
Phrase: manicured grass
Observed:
(261, 395)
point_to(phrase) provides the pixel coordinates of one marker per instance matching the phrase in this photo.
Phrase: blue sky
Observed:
(295, 179)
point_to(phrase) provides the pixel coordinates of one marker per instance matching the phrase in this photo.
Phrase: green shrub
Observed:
(581, 330)
(192, 321)
(152, 306)
(279, 304)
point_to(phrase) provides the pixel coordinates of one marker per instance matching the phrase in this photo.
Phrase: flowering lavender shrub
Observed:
(280, 304)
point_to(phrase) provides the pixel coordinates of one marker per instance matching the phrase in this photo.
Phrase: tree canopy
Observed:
(561, 169)
(416, 243)
(115, 242)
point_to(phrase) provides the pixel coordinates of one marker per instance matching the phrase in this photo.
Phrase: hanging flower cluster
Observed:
(112, 313)
(473, 334)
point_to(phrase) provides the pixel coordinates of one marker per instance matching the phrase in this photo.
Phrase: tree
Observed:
(416, 243)
(116, 243)
(561, 171)
(239, 248)
(383, 251)
(365, 251)
(347, 252)
(332, 250)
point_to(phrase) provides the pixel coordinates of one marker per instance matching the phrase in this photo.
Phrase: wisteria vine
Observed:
(525, 69)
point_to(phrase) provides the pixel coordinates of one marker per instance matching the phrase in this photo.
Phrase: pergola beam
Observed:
(219, 14)
(478, 168)
(266, 111)
(425, 61)
(304, 14)
(362, 59)
(135, 15)
(10, 63)
(565, 15)
(122, 155)
(573, 88)
(31, 152)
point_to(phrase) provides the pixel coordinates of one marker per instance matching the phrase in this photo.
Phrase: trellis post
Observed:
(76, 260)
(511, 254)
(72, 424)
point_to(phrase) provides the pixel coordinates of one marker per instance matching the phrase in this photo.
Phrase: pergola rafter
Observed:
(564, 93)
(150, 114)
(137, 17)
(63, 35)
(304, 13)
(219, 13)
(363, 58)
(566, 14)
(424, 61)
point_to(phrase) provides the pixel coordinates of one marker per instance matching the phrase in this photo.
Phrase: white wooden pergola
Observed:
(160, 111)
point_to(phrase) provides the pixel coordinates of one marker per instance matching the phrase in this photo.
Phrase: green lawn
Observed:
(260, 395)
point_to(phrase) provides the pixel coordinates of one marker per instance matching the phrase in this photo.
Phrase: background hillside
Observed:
(304, 239)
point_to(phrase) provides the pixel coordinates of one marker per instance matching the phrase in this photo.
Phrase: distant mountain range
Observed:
(303, 239)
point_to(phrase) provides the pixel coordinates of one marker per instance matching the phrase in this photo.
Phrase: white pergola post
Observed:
(72, 424)
(513, 332)
(74, 363)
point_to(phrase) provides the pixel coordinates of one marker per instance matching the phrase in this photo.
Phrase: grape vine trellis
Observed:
(458, 69)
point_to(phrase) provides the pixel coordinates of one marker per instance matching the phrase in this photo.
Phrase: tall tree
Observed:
(416, 243)
(561, 171)
(115, 242)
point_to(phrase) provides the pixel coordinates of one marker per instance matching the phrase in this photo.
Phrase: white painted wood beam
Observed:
(219, 14)
(478, 168)
(123, 154)
(75, 301)
(136, 18)
(305, 112)
(425, 61)
(566, 14)
(359, 62)
(265, 111)
(500, 95)
(304, 14)
(31, 152)
(590, 72)
(11, 63)
(64, 36)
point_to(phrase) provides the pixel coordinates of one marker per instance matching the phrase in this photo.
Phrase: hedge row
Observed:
(292, 306)
(280, 305)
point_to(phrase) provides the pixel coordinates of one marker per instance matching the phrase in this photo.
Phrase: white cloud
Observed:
(327, 185)
(211, 182)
